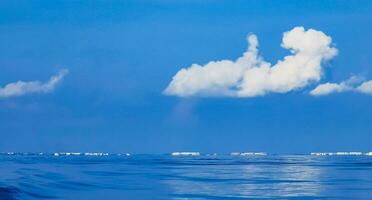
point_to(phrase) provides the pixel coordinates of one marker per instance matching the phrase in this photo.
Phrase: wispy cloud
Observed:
(251, 76)
(20, 88)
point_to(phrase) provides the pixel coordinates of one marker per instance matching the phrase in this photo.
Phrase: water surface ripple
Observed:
(189, 177)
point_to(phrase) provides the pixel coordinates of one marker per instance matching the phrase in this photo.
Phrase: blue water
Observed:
(198, 177)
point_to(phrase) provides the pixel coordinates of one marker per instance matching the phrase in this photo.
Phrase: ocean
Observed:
(115, 176)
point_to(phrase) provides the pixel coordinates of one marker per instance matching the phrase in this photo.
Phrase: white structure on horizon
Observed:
(353, 153)
(248, 154)
(185, 154)
(96, 154)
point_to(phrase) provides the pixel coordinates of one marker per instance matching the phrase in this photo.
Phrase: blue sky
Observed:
(121, 55)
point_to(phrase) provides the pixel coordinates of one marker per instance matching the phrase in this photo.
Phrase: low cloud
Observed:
(365, 87)
(20, 88)
(354, 84)
(328, 88)
(251, 76)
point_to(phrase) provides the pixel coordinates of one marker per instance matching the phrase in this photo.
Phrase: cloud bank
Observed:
(20, 88)
(251, 76)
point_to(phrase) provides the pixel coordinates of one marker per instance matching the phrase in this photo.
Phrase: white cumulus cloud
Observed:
(20, 88)
(250, 75)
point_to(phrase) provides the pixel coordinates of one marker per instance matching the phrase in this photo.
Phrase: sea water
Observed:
(125, 176)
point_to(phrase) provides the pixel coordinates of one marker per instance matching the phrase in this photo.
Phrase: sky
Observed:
(137, 76)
